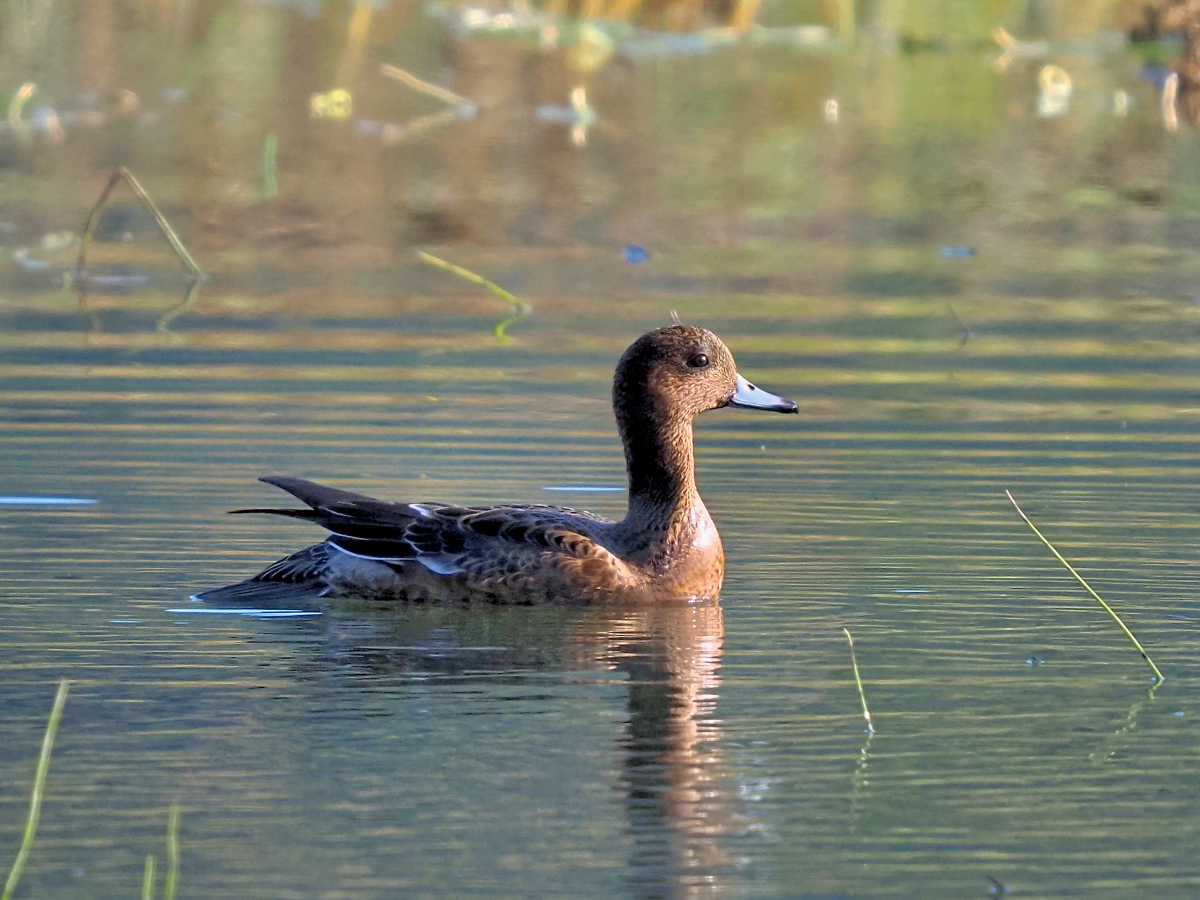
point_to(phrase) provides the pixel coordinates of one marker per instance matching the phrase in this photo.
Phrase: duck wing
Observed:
(441, 537)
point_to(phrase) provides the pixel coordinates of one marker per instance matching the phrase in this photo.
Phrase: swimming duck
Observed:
(666, 547)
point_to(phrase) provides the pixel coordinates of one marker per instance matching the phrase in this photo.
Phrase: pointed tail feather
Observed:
(265, 594)
(313, 494)
(292, 580)
(309, 515)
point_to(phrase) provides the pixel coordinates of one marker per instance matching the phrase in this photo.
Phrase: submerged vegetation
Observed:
(171, 884)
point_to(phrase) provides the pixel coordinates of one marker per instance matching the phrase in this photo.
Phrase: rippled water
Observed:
(963, 297)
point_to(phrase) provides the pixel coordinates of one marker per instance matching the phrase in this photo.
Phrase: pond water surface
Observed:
(964, 297)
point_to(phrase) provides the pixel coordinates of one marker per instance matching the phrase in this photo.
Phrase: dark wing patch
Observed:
(378, 529)
(305, 567)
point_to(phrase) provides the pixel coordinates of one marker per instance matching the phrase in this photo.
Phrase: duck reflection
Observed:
(677, 805)
(677, 788)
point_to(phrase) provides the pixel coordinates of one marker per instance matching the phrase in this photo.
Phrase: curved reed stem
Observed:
(1087, 587)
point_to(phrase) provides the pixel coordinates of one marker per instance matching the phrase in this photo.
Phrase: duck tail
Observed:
(312, 494)
(296, 580)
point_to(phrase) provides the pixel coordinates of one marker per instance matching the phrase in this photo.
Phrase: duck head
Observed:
(681, 371)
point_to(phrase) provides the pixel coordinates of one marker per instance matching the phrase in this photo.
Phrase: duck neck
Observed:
(661, 465)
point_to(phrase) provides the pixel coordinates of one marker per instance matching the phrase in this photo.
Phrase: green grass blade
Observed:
(39, 787)
(858, 681)
(520, 307)
(270, 166)
(148, 878)
(172, 881)
(1087, 587)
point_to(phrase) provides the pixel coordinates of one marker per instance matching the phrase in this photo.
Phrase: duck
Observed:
(666, 548)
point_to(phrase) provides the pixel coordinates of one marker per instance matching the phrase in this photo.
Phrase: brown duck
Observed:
(666, 547)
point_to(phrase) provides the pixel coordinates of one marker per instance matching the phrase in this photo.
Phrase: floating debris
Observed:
(1054, 92)
(1170, 92)
(956, 252)
(425, 87)
(17, 104)
(830, 112)
(579, 115)
(336, 104)
(635, 254)
(658, 45)
(112, 283)
(592, 50)
(466, 21)
(48, 256)
(1012, 49)
(394, 133)
(27, 263)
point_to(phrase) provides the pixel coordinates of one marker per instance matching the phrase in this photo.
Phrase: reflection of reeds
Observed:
(520, 307)
(123, 174)
(39, 787)
(1108, 609)
(163, 325)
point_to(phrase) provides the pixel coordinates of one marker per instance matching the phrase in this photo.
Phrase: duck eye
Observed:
(699, 361)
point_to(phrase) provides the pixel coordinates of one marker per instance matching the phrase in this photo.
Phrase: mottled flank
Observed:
(667, 547)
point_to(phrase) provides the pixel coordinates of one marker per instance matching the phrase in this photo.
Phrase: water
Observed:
(671, 752)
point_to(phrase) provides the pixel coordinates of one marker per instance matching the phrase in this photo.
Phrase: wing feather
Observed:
(430, 533)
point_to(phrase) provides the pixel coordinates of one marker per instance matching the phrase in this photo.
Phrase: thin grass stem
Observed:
(431, 90)
(89, 228)
(858, 681)
(148, 878)
(520, 307)
(39, 787)
(1087, 587)
(172, 880)
(270, 165)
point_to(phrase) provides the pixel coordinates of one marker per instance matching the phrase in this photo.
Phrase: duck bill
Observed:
(747, 396)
